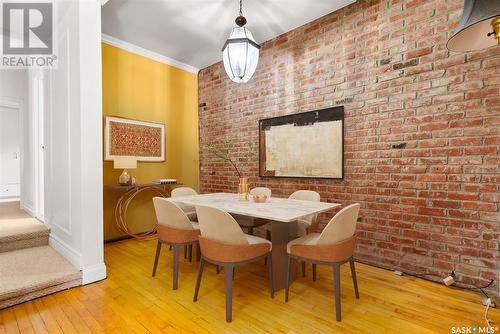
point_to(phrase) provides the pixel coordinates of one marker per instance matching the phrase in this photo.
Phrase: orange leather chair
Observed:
(332, 247)
(175, 229)
(223, 243)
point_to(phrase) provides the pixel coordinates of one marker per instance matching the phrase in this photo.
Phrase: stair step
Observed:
(20, 233)
(34, 272)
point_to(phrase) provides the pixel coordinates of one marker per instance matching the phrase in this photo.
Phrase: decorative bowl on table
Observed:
(259, 198)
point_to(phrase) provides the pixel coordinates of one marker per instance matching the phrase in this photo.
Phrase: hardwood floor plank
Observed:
(35, 318)
(131, 301)
(9, 321)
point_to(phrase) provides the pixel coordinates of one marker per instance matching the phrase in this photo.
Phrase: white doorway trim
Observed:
(38, 104)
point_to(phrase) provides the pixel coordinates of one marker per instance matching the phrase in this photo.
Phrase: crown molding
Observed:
(147, 53)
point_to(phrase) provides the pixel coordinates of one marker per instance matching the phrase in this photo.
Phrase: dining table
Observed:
(280, 212)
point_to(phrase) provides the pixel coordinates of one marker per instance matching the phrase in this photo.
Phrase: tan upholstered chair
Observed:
(304, 223)
(188, 209)
(250, 222)
(333, 247)
(223, 243)
(175, 229)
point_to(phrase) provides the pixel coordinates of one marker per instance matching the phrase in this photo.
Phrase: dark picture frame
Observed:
(300, 119)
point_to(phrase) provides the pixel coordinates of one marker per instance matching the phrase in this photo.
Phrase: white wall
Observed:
(73, 139)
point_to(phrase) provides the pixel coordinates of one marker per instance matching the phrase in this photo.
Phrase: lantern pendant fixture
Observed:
(479, 27)
(240, 53)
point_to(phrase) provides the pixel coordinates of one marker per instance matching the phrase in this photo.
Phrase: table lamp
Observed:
(125, 162)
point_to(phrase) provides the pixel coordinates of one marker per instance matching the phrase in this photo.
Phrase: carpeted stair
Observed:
(22, 233)
(29, 268)
(34, 272)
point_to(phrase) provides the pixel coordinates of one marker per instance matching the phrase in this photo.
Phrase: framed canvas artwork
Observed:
(129, 137)
(303, 145)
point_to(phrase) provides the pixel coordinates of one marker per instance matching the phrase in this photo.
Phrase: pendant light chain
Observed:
(241, 7)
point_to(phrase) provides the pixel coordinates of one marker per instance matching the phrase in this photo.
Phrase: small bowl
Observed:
(259, 198)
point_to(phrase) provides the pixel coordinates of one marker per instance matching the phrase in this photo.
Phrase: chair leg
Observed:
(268, 235)
(303, 269)
(157, 256)
(336, 282)
(287, 277)
(198, 252)
(190, 253)
(198, 279)
(228, 270)
(314, 272)
(250, 230)
(354, 279)
(217, 269)
(233, 272)
(270, 273)
(176, 265)
(185, 252)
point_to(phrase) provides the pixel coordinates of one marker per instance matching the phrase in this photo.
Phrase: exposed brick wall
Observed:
(431, 207)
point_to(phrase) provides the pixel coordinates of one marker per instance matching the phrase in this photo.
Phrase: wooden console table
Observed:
(123, 203)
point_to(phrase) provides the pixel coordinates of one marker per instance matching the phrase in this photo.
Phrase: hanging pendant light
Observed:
(479, 27)
(240, 52)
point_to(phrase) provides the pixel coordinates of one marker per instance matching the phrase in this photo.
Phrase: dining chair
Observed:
(251, 222)
(175, 229)
(333, 247)
(223, 243)
(188, 209)
(304, 224)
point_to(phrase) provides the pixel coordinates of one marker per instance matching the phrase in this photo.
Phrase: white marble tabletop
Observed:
(276, 209)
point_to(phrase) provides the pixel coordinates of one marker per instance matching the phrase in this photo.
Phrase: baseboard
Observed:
(90, 274)
(93, 273)
(28, 208)
(9, 199)
(66, 251)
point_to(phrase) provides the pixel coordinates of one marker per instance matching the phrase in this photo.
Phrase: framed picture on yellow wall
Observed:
(130, 137)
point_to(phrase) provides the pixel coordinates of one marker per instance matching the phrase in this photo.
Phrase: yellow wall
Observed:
(140, 88)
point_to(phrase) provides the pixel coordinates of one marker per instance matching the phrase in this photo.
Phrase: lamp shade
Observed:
(125, 162)
(475, 30)
(240, 55)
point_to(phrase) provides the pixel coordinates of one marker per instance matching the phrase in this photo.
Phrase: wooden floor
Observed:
(131, 301)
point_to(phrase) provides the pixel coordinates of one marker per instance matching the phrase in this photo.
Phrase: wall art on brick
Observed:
(128, 137)
(308, 144)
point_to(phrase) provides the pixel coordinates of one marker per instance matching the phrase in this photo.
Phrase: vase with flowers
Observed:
(224, 152)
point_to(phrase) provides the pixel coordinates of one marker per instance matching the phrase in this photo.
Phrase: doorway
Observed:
(10, 147)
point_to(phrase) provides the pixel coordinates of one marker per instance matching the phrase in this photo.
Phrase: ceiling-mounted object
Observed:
(479, 27)
(240, 52)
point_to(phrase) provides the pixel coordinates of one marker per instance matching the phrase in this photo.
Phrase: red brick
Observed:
(480, 206)
(415, 234)
(446, 204)
(483, 93)
(418, 52)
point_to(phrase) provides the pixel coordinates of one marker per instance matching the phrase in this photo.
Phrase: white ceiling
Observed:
(193, 31)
